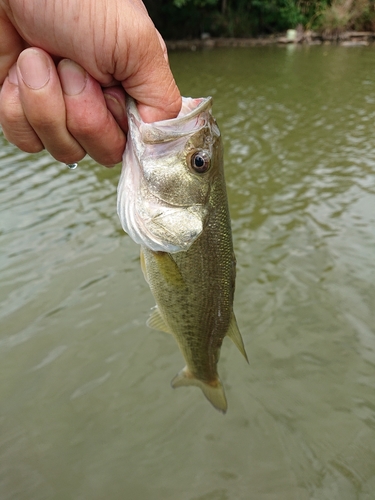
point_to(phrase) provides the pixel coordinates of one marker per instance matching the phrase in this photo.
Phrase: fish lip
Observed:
(204, 103)
(162, 131)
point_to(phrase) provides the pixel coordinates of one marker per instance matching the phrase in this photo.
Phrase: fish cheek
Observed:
(173, 183)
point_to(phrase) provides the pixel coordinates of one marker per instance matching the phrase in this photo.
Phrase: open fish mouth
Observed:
(189, 120)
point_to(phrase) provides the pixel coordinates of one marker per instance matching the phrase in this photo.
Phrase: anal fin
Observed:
(156, 321)
(235, 335)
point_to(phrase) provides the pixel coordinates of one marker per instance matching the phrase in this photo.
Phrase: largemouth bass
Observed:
(172, 201)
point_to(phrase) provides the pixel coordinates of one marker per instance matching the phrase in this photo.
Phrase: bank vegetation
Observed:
(184, 19)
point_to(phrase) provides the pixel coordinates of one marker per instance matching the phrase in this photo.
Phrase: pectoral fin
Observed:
(214, 392)
(234, 334)
(168, 269)
(157, 322)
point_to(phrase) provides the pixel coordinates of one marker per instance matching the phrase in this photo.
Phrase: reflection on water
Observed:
(86, 410)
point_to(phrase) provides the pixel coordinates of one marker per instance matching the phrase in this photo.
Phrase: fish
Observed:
(172, 201)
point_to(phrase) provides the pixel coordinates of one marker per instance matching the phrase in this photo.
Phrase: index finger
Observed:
(151, 83)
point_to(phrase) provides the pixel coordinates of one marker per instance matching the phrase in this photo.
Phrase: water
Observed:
(86, 410)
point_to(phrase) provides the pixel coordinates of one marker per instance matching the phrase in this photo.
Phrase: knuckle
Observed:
(18, 132)
(31, 147)
(109, 152)
(106, 158)
(43, 123)
(85, 125)
(110, 161)
(66, 151)
(26, 141)
(10, 116)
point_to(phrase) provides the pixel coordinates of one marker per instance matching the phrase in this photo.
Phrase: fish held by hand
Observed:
(172, 201)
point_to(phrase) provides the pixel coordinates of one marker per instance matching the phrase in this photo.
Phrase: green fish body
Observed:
(172, 201)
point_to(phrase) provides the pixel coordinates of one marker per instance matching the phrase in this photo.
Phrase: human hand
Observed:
(73, 108)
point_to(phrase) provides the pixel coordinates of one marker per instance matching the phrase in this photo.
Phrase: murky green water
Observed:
(86, 410)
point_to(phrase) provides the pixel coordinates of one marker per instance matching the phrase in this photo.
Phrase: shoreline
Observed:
(347, 38)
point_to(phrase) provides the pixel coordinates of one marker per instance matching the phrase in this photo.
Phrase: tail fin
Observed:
(214, 392)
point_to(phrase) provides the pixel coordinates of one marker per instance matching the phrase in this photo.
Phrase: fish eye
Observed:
(200, 162)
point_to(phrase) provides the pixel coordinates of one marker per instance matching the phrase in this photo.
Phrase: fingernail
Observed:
(12, 75)
(72, 76)
(114, 106)
(34, 69)
(117, 109)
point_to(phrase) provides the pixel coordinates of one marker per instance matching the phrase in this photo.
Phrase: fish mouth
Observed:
(191, 118)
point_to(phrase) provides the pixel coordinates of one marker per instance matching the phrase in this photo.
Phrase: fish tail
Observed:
(213, 391)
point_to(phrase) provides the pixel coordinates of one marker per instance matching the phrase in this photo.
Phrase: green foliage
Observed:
(342, 15)
(196, 3)
(277, 15)
(246, 18)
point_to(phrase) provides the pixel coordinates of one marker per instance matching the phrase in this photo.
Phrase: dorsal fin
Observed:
(157, 322)
(234, 334)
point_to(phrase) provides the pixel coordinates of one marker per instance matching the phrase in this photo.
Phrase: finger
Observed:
(11, 45)
(43, 105)
(89, 120)
(16, 128)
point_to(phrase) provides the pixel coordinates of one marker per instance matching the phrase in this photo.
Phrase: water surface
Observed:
(86, 410)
